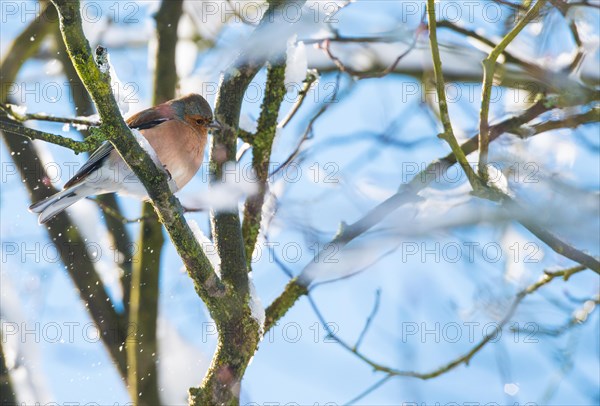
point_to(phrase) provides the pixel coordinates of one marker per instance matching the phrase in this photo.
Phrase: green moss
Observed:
(293, 291)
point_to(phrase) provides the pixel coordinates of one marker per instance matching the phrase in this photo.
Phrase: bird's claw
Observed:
(168, 173)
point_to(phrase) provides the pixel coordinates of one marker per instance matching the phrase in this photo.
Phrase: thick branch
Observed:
(69, 242)
(143, 350)
(142, 346)
(165, 75)
(73, 252)
(97, 83)
(238, 330)
(7, 393)
(261, 153)
(32, 35)
(107, 202)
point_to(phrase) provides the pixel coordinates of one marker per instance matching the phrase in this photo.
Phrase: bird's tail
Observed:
(55, 204)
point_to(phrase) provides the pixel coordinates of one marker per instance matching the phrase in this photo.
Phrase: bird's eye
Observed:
(200, 121)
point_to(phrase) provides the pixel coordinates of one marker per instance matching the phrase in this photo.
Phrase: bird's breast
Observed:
(179, 148)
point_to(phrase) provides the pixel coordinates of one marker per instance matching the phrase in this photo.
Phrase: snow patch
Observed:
(120, 91)
(497, 179)
(207, 246)
(296, 64)
(256, 308)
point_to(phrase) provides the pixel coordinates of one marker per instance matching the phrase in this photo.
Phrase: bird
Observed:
(177, 131)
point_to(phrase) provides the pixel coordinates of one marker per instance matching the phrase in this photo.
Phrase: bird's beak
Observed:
(214, 125)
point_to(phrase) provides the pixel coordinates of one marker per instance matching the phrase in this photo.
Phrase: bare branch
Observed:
(574, 121)
(489, 67)
(464, 359)
(309, 128)
(142, 350)
(369, 320)
(89, 144)
(311, 78)
(448, 134)
(71, 245)
(12, 112)
(298, 286)
(370, 389)
(326, 46)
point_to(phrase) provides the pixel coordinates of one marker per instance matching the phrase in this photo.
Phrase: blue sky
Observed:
(296, 363)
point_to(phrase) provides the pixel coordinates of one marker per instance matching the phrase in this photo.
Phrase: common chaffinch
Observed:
(176, 130)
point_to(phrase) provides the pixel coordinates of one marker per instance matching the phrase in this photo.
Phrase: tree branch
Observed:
(142, 345)
(311, 77)
(71, 246)
(143, 350)
(574, 121)
(489, 66)
(89, 144)
(448, 134)
(326, 46)
(238, 330)
(465, 358)
(8, 395)
(97, 83)
(107, 202)
(62, 232)
(10, 110)
(407, 192)
(262, 143)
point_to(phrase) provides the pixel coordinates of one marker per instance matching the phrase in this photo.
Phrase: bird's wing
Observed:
(96, 160)
(149, 118)
(141, 121)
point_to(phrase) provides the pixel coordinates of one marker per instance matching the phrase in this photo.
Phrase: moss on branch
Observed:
(97, 82)
(262, 143)
(89, 144)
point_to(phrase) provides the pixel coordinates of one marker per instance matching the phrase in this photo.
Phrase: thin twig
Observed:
(369, 319)
(563, 8)
(465, 358)
(358, 271)
(370, 389)
(574, 121)
(90, 143)
(576, 320)
(326, 46)
(311, 77)
(407, 192)
(308, 132)
(448, 134)
(489, 66)
(12, 112)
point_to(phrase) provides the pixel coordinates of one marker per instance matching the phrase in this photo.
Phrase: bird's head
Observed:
(196, 111)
